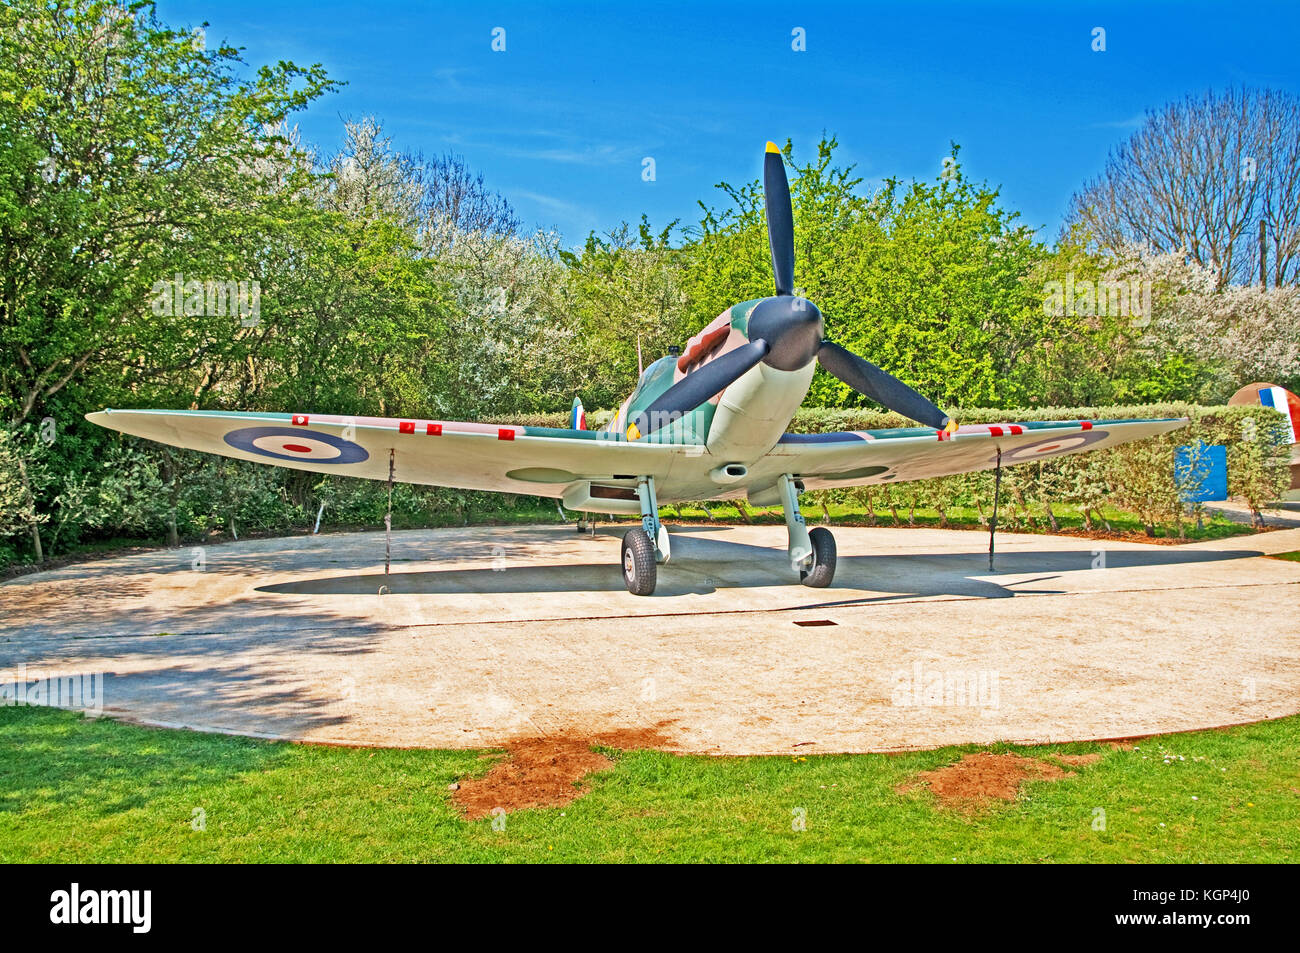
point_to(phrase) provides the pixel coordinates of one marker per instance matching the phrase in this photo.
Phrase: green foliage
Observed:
(394, 285)
(624, 296)
(101, 791)
(18, 509)
(136, 155)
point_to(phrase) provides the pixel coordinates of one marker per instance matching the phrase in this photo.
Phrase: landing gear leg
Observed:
(812, 555)
(646, 545)
(658, 533)
(800, 550)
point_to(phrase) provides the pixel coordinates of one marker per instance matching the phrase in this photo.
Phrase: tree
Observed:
(1233, 335)
(509, 345)
(623, 296)
(134, 154)
(1202, 177)
(18, 509)
(454, 195)
(941, 301)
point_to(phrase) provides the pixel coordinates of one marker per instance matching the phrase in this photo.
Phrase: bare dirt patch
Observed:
(980, 778)
(547, 771)
(1118, 536)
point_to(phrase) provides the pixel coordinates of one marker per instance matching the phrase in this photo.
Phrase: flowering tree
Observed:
(508, 345)
(1238, 334)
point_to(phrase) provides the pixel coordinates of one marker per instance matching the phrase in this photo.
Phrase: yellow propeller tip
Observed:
(771, 147)
(633, 433)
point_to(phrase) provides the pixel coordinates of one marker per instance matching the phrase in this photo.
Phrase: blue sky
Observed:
(561, 121)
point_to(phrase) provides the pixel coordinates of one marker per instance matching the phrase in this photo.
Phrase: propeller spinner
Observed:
(785, 332)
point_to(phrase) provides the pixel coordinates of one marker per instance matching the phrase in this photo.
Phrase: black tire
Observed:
(823, 567)
(639, 570)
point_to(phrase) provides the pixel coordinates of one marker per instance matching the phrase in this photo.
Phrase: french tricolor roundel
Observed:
(1270, 395)
(1285, 403)
(289, 443)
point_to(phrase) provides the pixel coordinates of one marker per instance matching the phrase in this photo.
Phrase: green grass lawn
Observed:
(81, 790)
(1293, 556)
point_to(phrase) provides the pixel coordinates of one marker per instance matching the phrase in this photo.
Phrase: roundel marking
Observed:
(1052, 445)
(286, 443)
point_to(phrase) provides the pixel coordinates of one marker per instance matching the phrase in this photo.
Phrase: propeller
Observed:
(785, 332)
(881, 386)
(780, 219)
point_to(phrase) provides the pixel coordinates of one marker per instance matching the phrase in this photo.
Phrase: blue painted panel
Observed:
(1201, 472)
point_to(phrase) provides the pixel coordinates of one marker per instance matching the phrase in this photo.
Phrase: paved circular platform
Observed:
(494, 633)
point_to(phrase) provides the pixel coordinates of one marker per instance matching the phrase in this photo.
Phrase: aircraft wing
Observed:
(915, 453)
(542, 461)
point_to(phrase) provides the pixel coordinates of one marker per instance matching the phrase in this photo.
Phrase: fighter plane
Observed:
(707, 423)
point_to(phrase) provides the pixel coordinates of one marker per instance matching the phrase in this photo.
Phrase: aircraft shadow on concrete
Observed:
(704, 566)
(576, 577)
(247, 556)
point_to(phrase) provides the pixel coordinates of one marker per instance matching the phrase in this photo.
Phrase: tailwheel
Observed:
(639, 570)
(822, 570)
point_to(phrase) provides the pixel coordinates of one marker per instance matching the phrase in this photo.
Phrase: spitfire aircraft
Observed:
(707, 423)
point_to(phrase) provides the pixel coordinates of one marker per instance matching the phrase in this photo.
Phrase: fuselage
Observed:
(742, 422)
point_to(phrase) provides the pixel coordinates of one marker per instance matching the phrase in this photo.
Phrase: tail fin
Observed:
(578, 416)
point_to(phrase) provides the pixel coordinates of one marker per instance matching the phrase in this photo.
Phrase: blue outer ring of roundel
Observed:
(1028, 451)
(348, 452)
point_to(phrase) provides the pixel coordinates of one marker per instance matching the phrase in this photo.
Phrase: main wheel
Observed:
(823, 567)
(639, 569)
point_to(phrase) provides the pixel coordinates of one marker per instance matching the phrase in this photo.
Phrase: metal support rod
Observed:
(388, 517)
(997, 491)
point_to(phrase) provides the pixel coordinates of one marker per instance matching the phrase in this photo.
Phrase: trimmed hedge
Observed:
(1138, 477)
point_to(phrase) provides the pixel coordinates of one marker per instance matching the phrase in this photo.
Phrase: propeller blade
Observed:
(697, 387)
(881, 386)
(780, 219)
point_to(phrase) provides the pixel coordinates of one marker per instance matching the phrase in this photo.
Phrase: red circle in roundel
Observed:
(297, 448)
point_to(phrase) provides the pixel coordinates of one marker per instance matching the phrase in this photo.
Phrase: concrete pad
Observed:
(492, 633)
